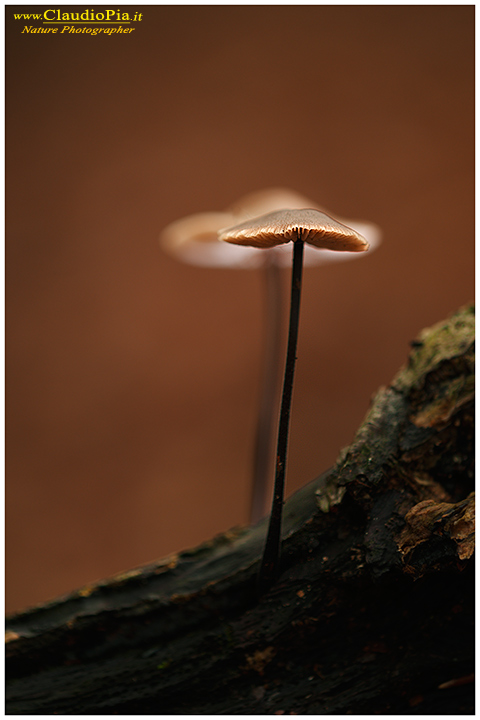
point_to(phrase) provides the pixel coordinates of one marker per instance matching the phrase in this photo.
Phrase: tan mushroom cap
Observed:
(279, 227)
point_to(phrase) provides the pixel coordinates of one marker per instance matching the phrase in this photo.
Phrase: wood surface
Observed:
(373, 611)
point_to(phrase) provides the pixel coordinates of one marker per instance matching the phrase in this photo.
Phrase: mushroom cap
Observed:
(194, 239)
(279, 227)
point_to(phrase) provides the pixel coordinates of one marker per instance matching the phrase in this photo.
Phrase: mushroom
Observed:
(273, 230)
(194, 240)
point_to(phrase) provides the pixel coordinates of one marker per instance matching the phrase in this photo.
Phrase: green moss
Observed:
(165, 664)
(442, 342)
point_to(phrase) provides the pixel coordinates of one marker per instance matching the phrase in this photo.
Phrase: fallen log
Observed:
(373, 611)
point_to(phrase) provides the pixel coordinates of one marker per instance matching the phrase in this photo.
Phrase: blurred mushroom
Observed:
(194, 240)
(273, 230)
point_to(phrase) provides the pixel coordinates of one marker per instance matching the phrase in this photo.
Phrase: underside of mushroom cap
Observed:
(282, 226)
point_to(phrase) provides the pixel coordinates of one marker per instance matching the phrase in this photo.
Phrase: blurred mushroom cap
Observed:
(268, 200)
(282, 226)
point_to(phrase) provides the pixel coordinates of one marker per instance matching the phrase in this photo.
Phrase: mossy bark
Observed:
(373, 611)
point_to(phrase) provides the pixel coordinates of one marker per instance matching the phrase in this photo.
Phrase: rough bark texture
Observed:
(373, 612)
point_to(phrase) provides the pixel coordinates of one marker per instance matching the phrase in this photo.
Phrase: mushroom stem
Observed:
(271, 555)
(269, 386)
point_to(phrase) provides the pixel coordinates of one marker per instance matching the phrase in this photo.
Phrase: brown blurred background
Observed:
(132, 380)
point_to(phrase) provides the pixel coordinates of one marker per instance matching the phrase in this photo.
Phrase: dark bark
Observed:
(372, 613)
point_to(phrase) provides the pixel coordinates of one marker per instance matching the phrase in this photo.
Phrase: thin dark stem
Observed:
(269, 387)
(271, 554)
